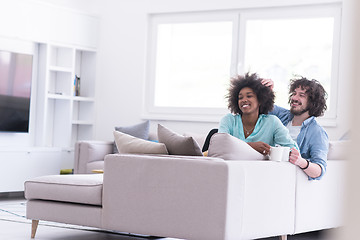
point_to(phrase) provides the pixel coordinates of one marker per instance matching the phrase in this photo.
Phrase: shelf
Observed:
(84, 99)
(60, 82)
(82, 122)
(58, 96)
(66, 118)
(60, 69)
(68, 97)
(61, 57)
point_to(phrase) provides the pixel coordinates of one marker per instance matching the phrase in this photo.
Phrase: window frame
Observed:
(150, 111)
(238, 17)
(303, 12)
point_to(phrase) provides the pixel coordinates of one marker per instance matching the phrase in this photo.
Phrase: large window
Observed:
(190, 57)
(193, 56)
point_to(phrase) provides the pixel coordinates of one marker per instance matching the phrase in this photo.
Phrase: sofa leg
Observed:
(283, 237)
(34, 225)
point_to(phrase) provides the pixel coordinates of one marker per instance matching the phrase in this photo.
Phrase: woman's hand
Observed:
(268, 83)
(261, 147)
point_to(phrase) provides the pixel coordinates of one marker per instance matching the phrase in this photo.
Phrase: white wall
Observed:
(39, 21)
(122, 59)
(86, 6)
(29, 22)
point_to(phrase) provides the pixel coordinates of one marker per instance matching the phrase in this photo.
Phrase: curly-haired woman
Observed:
(249, 102)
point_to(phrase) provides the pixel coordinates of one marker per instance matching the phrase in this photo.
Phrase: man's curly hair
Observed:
(316, 94)
(264, 94)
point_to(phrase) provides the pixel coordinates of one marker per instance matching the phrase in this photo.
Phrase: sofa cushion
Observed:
(129, 144)
(338, 149)
(227, 147)
(77, 188)
(177, 144)
(140, 130)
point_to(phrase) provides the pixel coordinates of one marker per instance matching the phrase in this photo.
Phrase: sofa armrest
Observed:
(90, 151)
(198, 197)
(165, 195)
(320, 203)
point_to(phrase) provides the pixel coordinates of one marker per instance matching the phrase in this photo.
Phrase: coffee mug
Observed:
(279, 154)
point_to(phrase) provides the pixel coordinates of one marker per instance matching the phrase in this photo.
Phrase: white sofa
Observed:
(189, 197)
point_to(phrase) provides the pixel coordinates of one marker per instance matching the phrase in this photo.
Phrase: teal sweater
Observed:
(268, 129)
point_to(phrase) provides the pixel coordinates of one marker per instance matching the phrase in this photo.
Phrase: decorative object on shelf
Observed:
(76, 86)
(66, 171)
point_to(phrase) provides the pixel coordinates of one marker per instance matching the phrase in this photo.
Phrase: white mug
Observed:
(279, 154)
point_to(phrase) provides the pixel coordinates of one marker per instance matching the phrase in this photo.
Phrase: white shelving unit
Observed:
(63, 43)
(66, 118)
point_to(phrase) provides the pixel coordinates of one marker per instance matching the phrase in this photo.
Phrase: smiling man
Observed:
(307, 101)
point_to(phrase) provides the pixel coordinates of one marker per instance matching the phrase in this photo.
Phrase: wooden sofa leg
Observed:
(34, 225)
(283, 237)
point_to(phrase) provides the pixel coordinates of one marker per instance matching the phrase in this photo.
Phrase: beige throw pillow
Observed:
(177, 144)
(140, 130)
(126, 143)
(227, 147)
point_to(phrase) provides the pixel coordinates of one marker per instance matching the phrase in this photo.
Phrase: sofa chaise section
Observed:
(72, 199)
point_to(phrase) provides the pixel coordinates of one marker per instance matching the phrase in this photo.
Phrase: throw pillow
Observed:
(198, 137)
(227, 147)
(177, 144)
(140, 130)
(129, 144)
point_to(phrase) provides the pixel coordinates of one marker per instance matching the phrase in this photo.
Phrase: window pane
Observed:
(192, 64)
(281, 48)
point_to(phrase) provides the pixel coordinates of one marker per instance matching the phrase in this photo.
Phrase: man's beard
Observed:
(298, 112)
